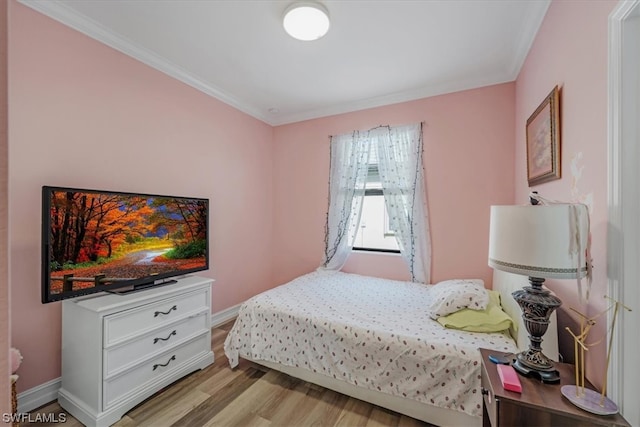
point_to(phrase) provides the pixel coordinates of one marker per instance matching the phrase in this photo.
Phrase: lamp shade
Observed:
(547, 241)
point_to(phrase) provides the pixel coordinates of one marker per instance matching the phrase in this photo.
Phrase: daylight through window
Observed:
(374, 231)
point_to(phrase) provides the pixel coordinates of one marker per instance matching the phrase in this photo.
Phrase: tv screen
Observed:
(95, 241)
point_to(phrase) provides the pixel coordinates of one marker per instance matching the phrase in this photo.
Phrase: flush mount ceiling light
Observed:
(306, 21)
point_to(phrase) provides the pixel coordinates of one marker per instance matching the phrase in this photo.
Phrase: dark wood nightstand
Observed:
(538, 405)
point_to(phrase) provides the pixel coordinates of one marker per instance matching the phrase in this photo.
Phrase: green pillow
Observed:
(492, 319)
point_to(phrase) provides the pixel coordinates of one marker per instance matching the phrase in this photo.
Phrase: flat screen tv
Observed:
(94, 241)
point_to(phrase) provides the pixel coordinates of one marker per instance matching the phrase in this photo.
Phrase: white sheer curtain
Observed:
(349, 161)
(399, 154)
(401, 171)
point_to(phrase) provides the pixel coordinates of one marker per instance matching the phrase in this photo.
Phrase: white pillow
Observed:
(450, 296)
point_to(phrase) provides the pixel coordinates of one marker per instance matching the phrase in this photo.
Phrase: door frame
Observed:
(623, 234)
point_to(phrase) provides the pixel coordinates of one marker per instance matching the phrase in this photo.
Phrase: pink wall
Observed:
(84, 115)
(468, 163)
(5, 405)
(571, 51)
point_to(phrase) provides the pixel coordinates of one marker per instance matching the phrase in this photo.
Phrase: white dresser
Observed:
(118, 350)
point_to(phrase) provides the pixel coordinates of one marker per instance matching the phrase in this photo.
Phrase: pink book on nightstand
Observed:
(509, 378)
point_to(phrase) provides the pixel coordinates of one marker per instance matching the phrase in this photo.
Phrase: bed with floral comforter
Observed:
(370, 332)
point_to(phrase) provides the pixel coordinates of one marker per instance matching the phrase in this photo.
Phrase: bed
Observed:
(372, 339)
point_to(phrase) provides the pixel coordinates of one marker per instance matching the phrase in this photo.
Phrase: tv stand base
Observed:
(129, 289)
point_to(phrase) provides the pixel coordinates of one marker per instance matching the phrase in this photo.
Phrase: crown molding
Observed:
(64, 14)
(395, 98)
(530, 29)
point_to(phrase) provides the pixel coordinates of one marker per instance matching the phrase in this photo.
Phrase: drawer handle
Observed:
(158, 313)
(158, 365)
(155, 340)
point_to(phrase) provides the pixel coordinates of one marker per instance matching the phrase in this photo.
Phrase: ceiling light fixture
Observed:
(306, 20)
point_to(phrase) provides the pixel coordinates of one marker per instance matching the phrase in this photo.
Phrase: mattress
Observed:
(370, 332)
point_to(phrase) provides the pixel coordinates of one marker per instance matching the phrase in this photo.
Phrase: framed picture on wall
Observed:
(543, 141)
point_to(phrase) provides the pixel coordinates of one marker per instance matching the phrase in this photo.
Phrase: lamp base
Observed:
(550, 376)
(537, 304)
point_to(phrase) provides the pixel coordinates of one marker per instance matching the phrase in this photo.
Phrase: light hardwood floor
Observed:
(249, 395)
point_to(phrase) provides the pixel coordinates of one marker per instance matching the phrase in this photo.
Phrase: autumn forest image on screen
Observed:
(106, 238)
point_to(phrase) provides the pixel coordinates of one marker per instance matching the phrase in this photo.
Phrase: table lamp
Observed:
(539, 241)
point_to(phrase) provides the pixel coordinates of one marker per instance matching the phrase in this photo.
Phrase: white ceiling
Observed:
(376, 52)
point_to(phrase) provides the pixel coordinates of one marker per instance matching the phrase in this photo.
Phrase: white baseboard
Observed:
(39, 395)
(42, 394)
(225, 315)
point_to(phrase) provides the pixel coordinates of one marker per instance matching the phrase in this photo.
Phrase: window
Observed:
(354, 176)
(374, 232)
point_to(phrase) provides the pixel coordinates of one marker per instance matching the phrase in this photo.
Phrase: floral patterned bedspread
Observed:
(373, 333)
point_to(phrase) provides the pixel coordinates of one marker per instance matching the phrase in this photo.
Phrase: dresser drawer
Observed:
(123, 356)
(130, 323)
(154, 370)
